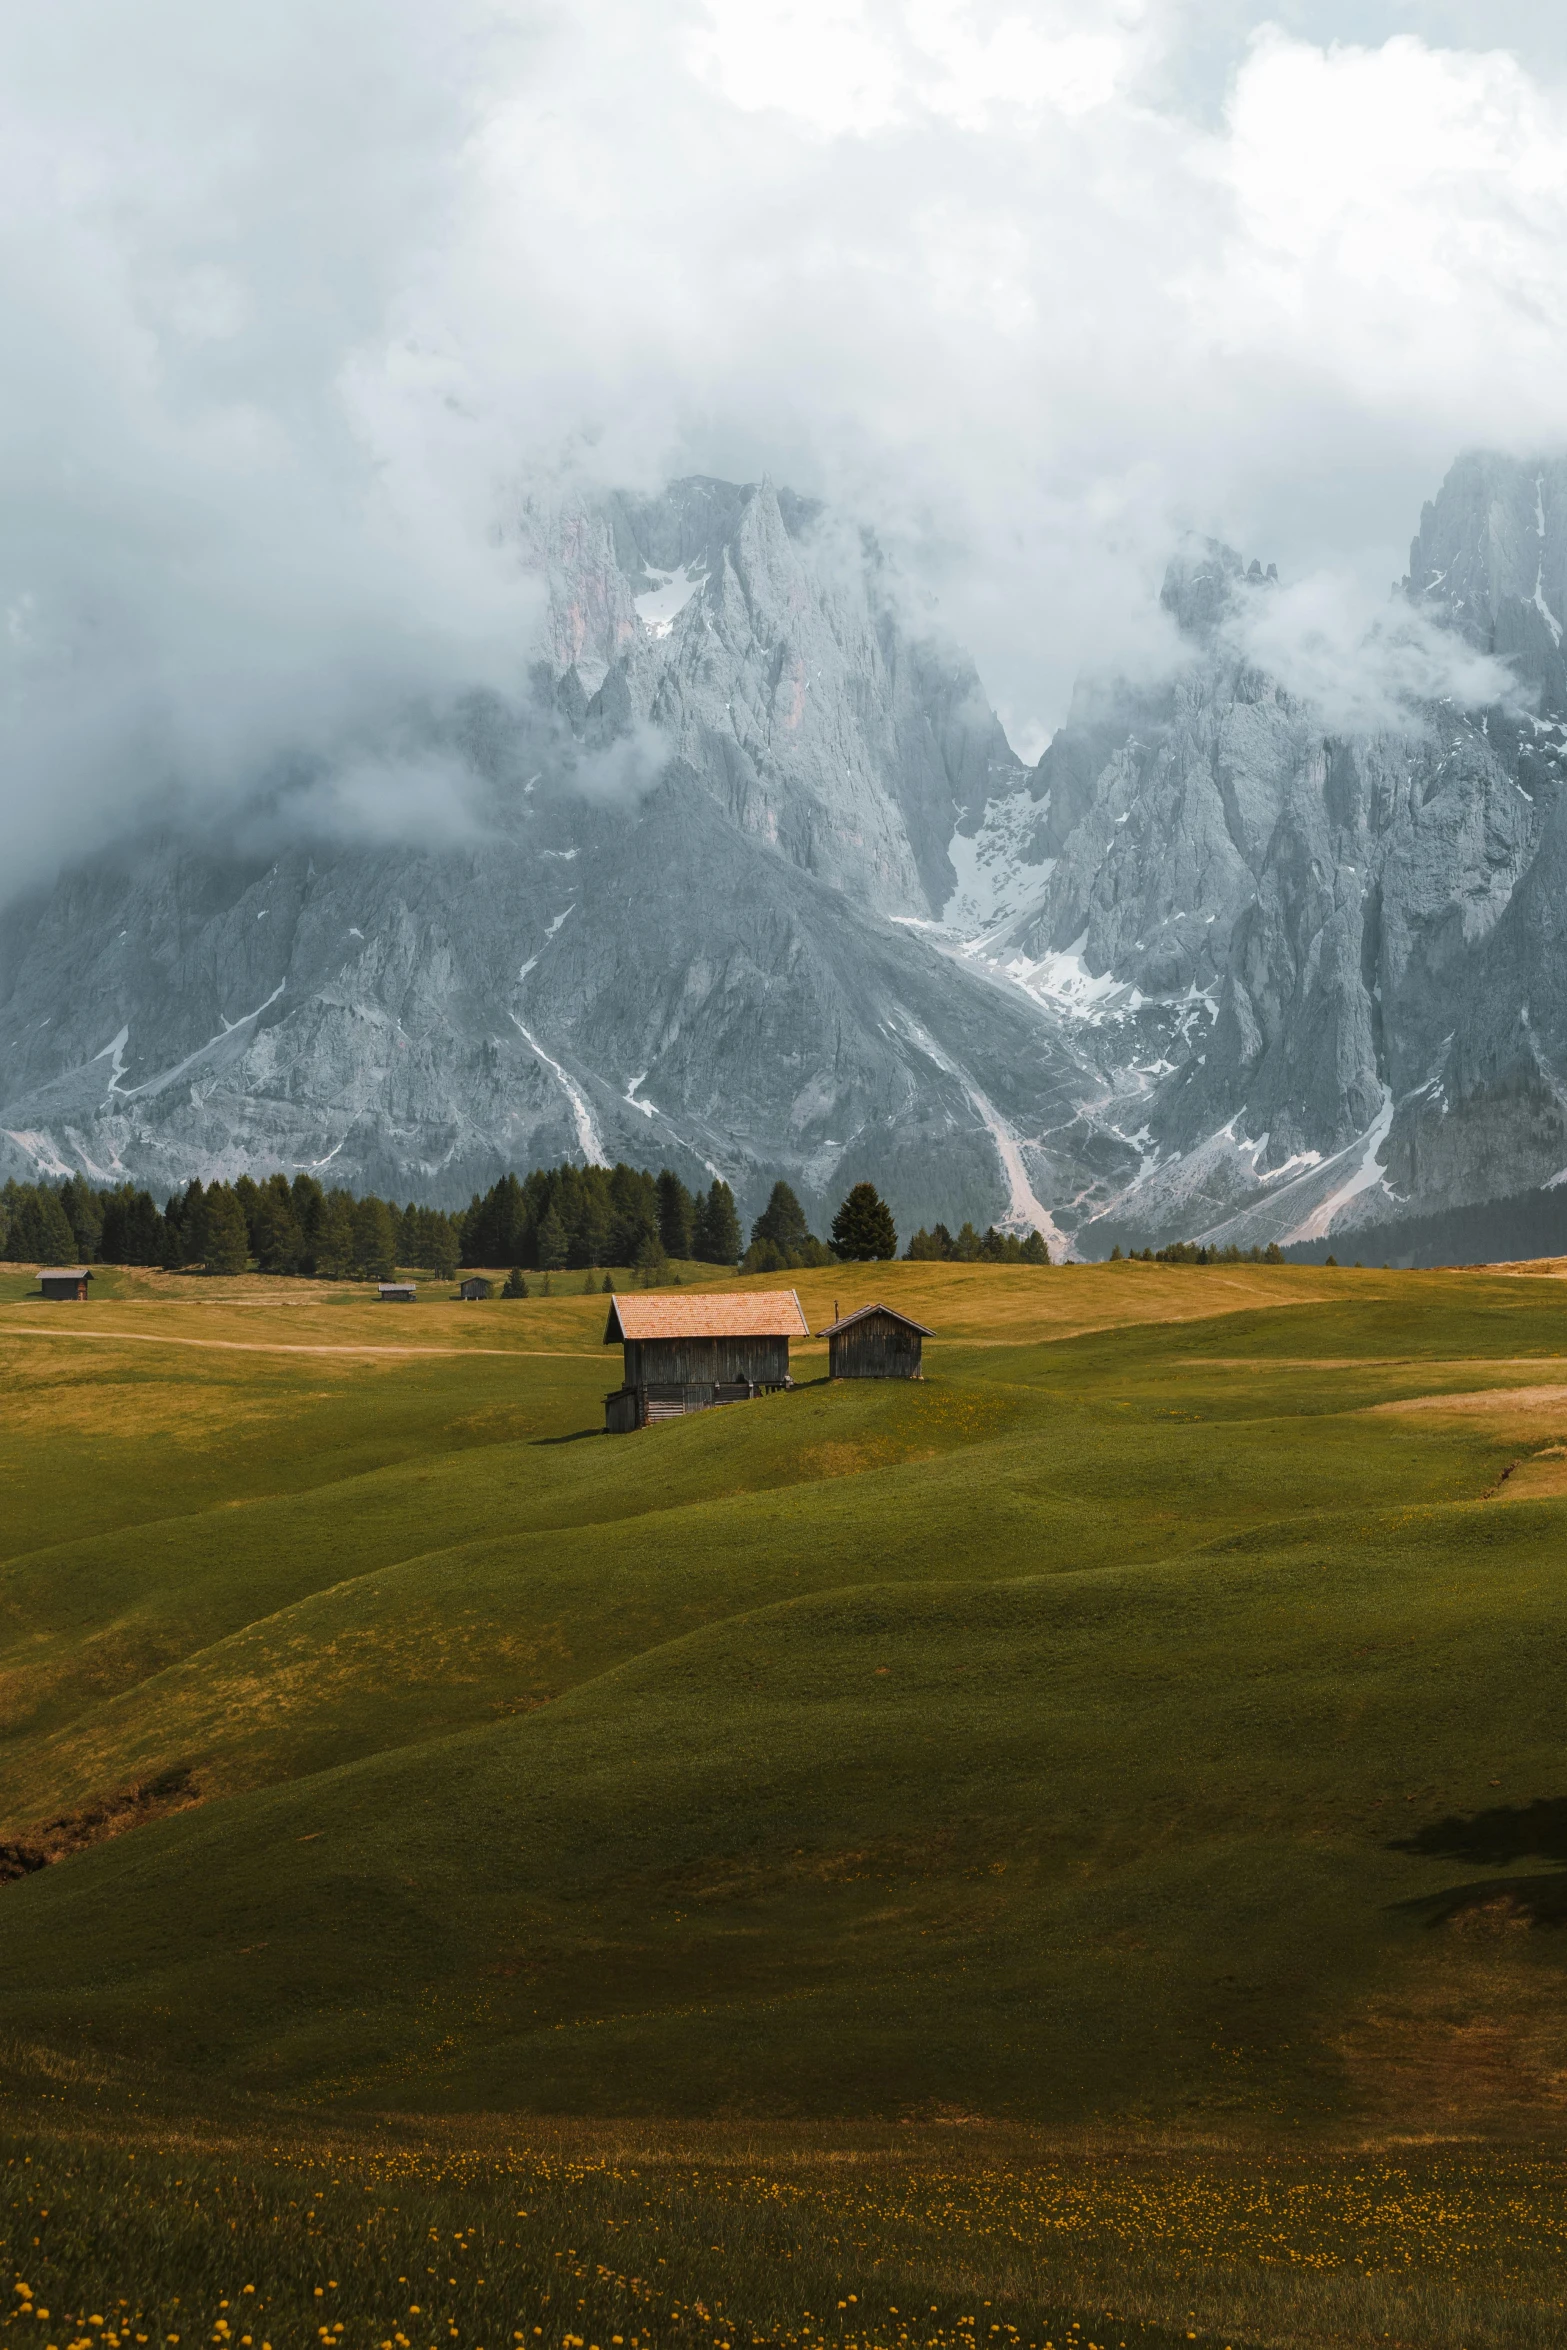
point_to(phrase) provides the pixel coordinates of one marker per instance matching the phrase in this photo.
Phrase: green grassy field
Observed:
(1143, 1735)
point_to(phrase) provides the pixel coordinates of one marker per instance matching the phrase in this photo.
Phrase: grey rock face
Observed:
(1323, 969)
(1491, 557)
(709, 973)
(760, 888)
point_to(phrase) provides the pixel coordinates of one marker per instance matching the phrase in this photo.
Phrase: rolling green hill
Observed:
(1154, 1715)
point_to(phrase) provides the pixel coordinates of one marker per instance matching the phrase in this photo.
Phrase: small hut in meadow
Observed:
(875, 1342)
(686, 1354)
(65, 1283)
(473, 1289)
(397, 1293)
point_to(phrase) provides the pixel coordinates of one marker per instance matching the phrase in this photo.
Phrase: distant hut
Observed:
(66, 1282)
(686, 1354)
(474, 1288)
(874, 1343)
(398, 1293)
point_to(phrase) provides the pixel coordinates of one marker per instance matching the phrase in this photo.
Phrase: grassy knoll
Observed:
(1142, 1737)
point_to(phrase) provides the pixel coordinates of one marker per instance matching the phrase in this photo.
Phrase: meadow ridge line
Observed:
(284, 1346)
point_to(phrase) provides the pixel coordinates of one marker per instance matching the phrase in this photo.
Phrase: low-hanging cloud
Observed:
(1367, 667)
(299, 302)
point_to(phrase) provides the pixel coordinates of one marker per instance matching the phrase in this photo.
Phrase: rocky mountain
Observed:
(686, 930)
(1320, 971)
(755, 884)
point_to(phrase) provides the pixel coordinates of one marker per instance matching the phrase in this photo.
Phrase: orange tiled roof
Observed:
(761, 1313)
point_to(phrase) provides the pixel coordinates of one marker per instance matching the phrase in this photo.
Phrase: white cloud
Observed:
(1365, 666)
(295, 299)
(1398, 220)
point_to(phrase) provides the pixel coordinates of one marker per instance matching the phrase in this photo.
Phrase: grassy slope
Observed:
(1037, 1741)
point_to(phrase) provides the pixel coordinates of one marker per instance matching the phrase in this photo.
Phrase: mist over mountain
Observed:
(752, 883)
(685, 928)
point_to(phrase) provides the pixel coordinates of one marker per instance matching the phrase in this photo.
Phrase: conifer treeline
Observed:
(1190, 1252)
(552, 1220)
(989, 1247)
(280, 1226)
(573, 1216)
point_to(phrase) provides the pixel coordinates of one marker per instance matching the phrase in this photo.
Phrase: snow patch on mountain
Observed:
(589, 1141)
(999, 875)
(667, 598)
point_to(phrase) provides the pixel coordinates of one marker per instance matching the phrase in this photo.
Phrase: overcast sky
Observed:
(294, 297)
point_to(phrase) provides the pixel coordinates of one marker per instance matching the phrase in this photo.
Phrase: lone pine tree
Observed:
(863, 1228)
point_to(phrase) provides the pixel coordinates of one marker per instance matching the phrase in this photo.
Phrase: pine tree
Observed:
(717, 1237)
(676, 1215)
(279, 1242)
(143, 1230)
(651, 1262)
(863, 1228)
(441, 1247)
(375, 1240)
(84, 1213)
(335, 1238)
(227, 1241)
(1035, 1252)
(248, 1194)
(193, 1224)
(552, 1244)
(591, 1241)
(514, 1284)
(56, 1240)
(782, 1222)
(309, 1205)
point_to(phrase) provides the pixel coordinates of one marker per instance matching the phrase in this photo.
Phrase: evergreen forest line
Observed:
(553, 1219)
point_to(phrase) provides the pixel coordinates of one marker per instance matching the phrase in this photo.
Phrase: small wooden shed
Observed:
(66, 1282)
(875, 1342)
(474, 1287)
(686, 1354)
(398, 1293)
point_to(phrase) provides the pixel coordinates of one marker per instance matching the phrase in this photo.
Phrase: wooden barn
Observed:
(686, 1354)
(874, 1343)
(397, 1293)
(473, 1288)
(65, 1282)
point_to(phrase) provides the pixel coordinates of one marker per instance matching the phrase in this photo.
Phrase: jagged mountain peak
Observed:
(697, 929)
(1490, 559)
(1205, 584)
(763, 890)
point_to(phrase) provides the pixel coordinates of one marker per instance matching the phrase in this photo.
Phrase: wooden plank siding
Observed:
(706, 1362)
(689, 1354)
(875, 1345)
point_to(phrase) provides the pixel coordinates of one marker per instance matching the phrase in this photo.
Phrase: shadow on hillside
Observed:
(1495, 1905)
(577, 1436)
(1508, 1832)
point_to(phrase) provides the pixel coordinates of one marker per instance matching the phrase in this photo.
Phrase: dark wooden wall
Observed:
(705, 1362)
(878, 1347)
